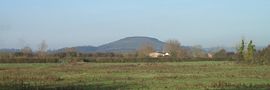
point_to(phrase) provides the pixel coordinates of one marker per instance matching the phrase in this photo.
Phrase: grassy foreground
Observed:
(167, 75)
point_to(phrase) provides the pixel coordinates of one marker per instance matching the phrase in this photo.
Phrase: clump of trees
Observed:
(27, 51)
(71, 52)
(198, 52)
(222, 53)
(173, 47)
(42, 49)
(263, 56)
(175, 50)
(145, 49)
(219, 53)
(248, 54)
(27, 55)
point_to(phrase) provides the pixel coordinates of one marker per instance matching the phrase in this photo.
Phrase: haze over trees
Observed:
(27, 51)
(42, 49)
(222, 53)
(70, 52)
(198, 52)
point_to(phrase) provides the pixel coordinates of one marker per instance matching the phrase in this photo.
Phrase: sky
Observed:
(67, 23)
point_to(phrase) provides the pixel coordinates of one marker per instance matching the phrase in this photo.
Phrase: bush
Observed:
(263, 56)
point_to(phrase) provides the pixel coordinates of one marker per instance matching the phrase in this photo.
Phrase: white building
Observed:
(158, 54)
(210, 55)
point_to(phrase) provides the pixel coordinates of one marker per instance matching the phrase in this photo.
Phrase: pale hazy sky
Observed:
(94, 22)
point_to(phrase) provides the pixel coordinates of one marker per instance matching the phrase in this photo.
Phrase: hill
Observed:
(82, 49)
(130, 44)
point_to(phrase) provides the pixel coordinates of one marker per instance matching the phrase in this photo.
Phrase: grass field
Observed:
(166, 75)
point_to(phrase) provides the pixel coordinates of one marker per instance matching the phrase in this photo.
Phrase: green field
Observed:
(167, 75)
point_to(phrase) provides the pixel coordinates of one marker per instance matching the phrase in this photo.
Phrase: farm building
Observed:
(158, 54)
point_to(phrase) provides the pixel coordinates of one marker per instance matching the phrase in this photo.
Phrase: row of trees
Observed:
(174, 48)
(27, 55)
(246, 53)
(41, 52)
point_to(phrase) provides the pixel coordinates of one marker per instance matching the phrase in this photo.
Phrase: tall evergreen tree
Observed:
(241, 51)
(250, 52)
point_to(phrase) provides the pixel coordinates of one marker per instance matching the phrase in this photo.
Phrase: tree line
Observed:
(246, 53)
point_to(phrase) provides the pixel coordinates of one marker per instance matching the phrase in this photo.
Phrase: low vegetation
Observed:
(193, 68)
(167, 75)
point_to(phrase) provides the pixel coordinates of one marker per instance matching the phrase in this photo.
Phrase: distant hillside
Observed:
(9, 50)
(82, 49)
(130, 44)
(86, 48)
(215, 49)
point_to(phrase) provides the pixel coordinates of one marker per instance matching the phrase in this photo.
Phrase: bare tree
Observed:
(27, 51)
(42, 49)
(173, 47)
(145, 49)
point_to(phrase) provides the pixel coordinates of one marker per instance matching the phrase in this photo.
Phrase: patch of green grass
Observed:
(22, 65)
(166, 75)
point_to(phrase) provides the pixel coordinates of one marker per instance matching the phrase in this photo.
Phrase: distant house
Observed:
(210, 55)
(158, 54)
